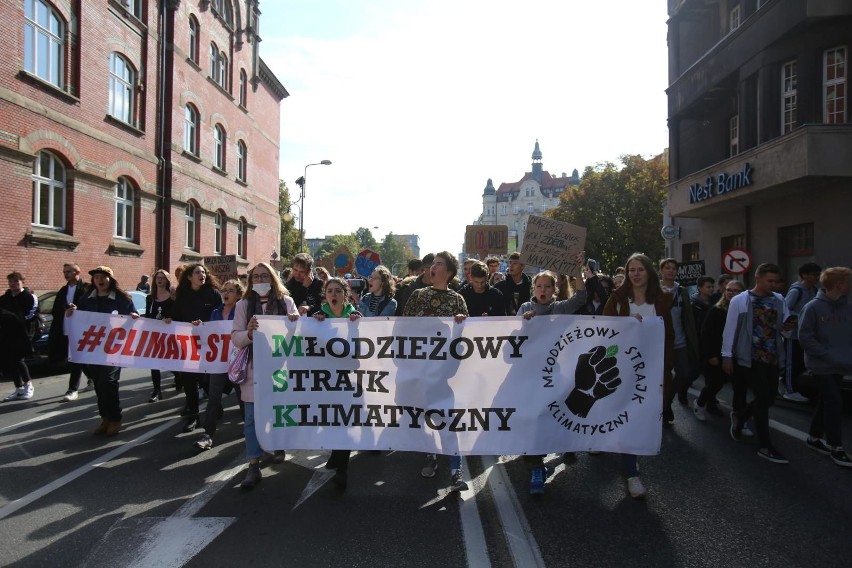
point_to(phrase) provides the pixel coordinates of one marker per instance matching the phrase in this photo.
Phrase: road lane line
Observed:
(522, 544)
(31, 421)
(475, 547)
(17, 504)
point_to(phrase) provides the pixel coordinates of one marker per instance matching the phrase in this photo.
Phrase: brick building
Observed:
(759, 129)
(513, 202)
(118, 148)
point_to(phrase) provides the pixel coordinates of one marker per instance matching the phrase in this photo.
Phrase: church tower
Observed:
(536, 164)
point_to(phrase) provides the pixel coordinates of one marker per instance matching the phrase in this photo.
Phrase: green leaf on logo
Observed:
(612, 351)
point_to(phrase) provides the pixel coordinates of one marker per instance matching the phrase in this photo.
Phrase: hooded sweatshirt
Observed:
(796, 298)
(825, 332)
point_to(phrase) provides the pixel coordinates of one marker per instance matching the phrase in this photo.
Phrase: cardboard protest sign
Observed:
(486, 240)
(224, 268)
(552, 244)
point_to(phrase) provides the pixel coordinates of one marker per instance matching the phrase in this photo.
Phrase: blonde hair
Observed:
(833, 276)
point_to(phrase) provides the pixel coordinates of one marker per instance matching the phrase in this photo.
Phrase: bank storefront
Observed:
(786, 201)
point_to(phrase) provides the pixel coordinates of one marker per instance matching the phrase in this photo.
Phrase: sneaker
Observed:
(713, 408)
(457, 482)
(699, 411)
(16, 394)
(69, 396)
(818, 445)
(841, 458)
(252, 478)
(794, 397)
(29, 391)
(537, 481)
(772, 455)
(279, 456)
(430, 466)
(736, 427)
(748, 428)
(635, 487)
(668, 415)
(205, 442)
(155, 396)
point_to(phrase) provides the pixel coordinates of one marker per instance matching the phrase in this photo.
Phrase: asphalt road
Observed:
(148, 498)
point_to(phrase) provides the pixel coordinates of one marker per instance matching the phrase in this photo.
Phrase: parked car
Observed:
(139, 300)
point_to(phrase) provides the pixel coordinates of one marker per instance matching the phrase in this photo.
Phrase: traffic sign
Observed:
(736, 261)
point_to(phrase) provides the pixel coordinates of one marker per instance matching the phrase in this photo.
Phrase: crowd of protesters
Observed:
(757, 339)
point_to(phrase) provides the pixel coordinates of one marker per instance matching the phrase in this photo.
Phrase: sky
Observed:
(418, 103)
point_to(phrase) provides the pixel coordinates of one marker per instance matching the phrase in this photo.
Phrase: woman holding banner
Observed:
(336, 304)
(106, 297)
(159, 305)
(642, 296)
(195, 299)
(265, 295)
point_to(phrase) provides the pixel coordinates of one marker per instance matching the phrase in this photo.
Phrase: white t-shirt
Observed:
(645, 310)
(69, 295)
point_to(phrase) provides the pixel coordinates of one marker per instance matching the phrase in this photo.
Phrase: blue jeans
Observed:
(253, 449)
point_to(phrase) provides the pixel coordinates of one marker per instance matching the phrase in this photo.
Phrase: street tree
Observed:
(333, 242)
(365, 238)
(621, 207)
(289, 239)
(395, 251)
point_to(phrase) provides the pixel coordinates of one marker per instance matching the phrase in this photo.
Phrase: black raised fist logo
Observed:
(596, 377)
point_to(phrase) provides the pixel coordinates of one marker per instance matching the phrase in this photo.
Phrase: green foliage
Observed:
(622, 208)
(365, 238)
(333, 242)
(395, 251)
(289, 243)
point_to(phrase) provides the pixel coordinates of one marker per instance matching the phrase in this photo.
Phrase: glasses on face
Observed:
(261, 277)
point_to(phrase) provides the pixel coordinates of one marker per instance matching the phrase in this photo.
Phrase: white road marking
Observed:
(522, 544)
(45, 416)
(475, 547)
(21, 502)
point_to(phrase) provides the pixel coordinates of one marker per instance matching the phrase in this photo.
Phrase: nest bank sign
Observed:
(720, 184)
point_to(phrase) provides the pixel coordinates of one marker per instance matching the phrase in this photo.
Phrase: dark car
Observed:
(45, 307)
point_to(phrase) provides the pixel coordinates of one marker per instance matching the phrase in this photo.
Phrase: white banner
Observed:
(144, 343)
(488, 386)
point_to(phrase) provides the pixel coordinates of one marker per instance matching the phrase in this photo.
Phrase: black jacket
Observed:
(191, 305)
(57, 341)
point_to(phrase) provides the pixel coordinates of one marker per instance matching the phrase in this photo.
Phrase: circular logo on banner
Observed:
(608, 383)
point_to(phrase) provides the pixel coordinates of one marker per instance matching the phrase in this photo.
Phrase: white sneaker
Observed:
(748, 428)
(699, 411)
(794, 397)
(29, 391)
(430, 466)
(69, 396)
(18, 393)
(635, 487)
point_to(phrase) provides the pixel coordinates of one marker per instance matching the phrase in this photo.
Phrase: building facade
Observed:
(513, 202)
(130, 136)
(759, 131)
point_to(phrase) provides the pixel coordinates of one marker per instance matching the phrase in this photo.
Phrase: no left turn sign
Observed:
(736, 261)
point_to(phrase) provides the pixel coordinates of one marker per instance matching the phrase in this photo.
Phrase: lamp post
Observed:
(302, 181)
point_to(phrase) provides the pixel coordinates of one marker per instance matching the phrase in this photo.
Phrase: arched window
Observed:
(122, 81)
(44, 44)
(124, 217)
(243, 88)
(219, 138)
(190, 218)
(223, 71)
(190, 130)
(219, 233)
(49, 191)
(242, 160)
(225, 11)
(241, 238)
(194, 37)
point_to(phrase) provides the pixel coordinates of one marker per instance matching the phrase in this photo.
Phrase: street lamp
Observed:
(302, 181)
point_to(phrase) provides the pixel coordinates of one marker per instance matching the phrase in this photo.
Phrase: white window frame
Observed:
(242, 160)
(122, 88)
(125, 219)
(241, 236)
(789, 99)
(190, 217)
(49, 185)
(243, 88)
(134, 7)
(218, 232)
(734, 18)
(220, 137)
(43, 25)
(222, 79)
(190, 132)
(194, 36)
(734, 135)
(834, 81)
